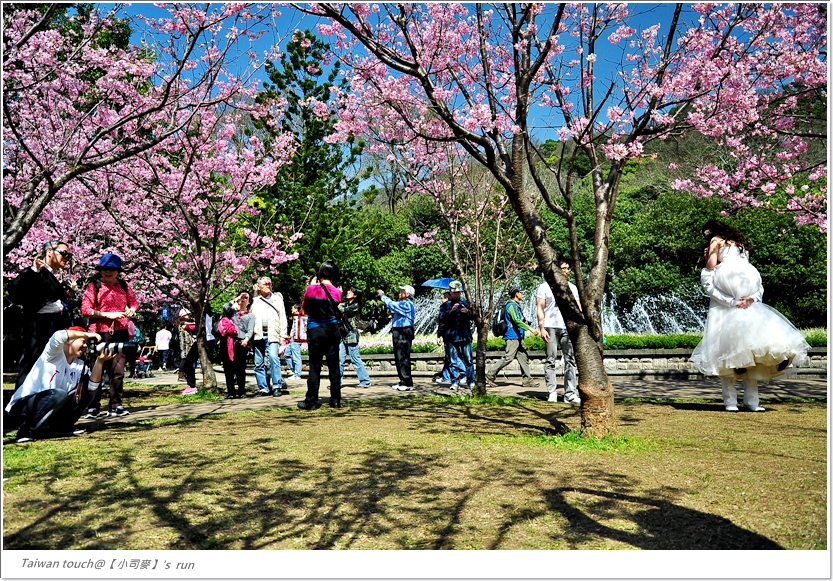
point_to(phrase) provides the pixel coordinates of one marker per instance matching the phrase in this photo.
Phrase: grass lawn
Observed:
(429, 472)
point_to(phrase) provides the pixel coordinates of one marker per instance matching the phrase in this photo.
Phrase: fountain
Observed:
(680, 311)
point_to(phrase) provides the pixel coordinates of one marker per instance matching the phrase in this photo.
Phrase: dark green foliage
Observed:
(792, 262)
(315, 192)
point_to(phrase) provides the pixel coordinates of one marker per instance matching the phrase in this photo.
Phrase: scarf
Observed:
(228, 330)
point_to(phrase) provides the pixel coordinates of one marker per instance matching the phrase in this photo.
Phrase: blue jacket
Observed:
(404, 312)
(516, 324)
(456, 325)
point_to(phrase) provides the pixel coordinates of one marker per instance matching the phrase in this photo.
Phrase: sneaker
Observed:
(464, 381)
(529, 382)
(277, 392)
(553, 398)
(573, 400)
(188, 391)
(395, 386)
(731, 408)
(405, 387)
(454, 386)
(490, 379)
(92, 414)
(120, 412)
(755, 409)
(24, 439)
(79, 432)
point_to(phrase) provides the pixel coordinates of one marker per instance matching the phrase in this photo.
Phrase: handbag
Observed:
(343, 324)
(131, 329)
(300, 328)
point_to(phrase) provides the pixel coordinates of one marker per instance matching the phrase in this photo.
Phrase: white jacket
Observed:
(266, 316)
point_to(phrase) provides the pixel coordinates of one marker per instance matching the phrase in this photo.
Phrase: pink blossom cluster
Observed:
(146, 159)
(740, 74)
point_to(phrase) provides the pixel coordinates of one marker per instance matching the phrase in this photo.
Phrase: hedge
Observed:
(816, 337)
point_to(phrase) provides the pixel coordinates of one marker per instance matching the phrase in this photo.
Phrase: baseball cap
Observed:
(408, 289)
(513, 291)
(455, 286)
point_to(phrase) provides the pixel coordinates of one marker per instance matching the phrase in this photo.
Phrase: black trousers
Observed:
(51, 410)
(36, 333)
(235, 371)
(323, 342)
(188, 365)
(113, 371)
(402, 339)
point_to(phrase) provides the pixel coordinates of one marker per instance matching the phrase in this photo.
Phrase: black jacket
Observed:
(33, 289)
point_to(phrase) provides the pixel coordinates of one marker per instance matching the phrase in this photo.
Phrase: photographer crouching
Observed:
(58, 388)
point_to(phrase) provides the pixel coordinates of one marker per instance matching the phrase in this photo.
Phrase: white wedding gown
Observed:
(757, 339)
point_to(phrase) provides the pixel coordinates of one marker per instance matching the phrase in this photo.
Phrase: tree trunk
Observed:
(598, 416)
(209, 379)
(596, 391)
(479, 388)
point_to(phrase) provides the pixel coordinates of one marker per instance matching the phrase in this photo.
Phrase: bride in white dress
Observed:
(744, 338)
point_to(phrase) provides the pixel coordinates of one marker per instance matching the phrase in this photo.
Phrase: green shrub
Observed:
(674, 341)
(816, 337)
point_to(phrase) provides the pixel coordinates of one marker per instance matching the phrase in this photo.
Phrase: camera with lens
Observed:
(130, 350)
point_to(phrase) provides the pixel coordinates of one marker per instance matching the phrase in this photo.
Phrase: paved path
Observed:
(624, 387)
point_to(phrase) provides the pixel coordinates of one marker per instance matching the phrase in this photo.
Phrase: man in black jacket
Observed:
(41, 296)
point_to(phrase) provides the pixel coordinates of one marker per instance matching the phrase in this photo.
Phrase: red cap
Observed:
(77, 328)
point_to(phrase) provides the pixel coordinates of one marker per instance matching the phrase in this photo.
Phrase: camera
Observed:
(130, 350)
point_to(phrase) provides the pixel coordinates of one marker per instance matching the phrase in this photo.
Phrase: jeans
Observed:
(292, 356)
(51, 410)
(262, 350)
(361, 370)
(558, 335)
(462, 363)
(323, 342)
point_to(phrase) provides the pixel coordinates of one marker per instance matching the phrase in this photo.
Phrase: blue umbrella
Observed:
(438, 282)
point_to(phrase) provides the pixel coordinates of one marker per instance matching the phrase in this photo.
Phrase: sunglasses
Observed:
(65, 253)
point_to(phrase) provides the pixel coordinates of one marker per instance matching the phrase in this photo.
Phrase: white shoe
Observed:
(573, 401)
(464, 381)
(755, 409)
(553, 397)
(404, 387)
(395, 386)
(454, 386)
(731, 408)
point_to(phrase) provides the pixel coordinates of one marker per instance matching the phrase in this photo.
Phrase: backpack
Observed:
(499, 323)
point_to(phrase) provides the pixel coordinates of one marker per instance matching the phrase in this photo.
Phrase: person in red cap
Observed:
(58, 388)
(109, 302)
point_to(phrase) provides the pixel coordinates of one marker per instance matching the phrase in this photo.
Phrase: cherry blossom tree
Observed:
(483, 240)
(177, 211)
(499, 79)
(72, 105)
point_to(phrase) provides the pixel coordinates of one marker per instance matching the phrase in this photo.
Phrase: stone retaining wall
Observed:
(631, 362)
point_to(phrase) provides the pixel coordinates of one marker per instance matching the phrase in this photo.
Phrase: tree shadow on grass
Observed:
(659, 523)
(391, 496)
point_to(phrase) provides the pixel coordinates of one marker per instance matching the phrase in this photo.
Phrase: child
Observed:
(292, 355)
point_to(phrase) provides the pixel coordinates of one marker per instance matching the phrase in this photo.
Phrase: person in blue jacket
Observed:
(514, 338)
(402, 331)
(456, 318)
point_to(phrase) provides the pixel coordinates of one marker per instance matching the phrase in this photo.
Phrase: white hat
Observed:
(455, 286)
(408, 289)
(184, 312)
